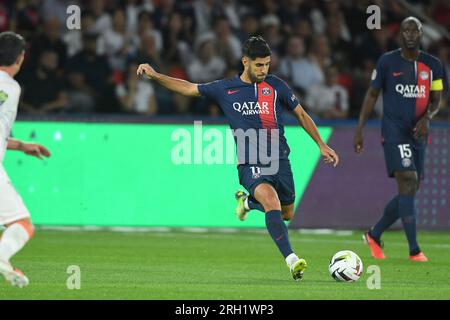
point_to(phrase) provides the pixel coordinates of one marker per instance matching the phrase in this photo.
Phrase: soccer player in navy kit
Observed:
(251, 102)
(411, 81)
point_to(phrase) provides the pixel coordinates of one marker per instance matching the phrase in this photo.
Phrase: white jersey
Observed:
(9, 101)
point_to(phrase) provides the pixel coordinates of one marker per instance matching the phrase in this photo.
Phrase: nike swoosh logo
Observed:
(232, 91)
(396, 74)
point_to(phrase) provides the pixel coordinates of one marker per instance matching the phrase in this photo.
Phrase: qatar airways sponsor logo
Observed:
(411, 90)
(251, 107)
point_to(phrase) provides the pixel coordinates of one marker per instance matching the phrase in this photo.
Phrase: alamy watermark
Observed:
(73, 282)
(374, 281)
(73, 21)
(374, 20)
(212, 147)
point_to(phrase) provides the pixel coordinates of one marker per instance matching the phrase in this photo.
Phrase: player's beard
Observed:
(254, 78)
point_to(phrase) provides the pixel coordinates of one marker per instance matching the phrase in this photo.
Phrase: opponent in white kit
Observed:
(13, 213)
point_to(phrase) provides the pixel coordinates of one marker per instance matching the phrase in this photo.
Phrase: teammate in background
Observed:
(411, 81)
(253, 101)
(13, 213)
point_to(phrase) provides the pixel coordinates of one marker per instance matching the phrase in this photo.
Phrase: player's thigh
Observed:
(285, 184)
(12, 208)
(267, 196)
(407, 182)
(250, 177)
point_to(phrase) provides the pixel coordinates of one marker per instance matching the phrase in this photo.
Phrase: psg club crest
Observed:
(265, 91)
(406, 162)
(423, 75)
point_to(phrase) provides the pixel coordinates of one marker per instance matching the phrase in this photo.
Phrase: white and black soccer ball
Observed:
(345, 266)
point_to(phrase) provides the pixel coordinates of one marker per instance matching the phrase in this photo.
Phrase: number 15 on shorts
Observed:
(405, 150)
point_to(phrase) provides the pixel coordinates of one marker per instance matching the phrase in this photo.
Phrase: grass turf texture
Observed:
(243, 265)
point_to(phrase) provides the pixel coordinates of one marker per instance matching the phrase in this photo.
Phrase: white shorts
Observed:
(12, 207)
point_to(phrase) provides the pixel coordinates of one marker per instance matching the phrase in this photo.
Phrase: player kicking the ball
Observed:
(252, 103)
(411, 81)
(13, 213)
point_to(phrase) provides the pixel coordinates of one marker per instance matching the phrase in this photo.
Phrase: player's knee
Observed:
(288, 214)
(28, 226)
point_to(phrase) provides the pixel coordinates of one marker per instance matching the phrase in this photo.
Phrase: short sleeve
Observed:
(211, 89)
(287, 96)
(378, 74)
(438, 75)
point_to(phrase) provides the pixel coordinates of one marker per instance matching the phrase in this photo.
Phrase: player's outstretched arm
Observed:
(180, 86)
(31, 149)
(310, 127)
(367, 108)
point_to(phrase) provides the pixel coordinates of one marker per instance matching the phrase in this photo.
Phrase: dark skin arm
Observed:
(368, 105)
(423, 125)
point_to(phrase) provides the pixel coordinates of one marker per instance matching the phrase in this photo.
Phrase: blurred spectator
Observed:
(230, 9)
(26, 17)
(297, 69)
(340, 47)
(227, 45)
(42, 89)
(58, 10)
(5, 14)
(375, 43)
(80, 97)
(132, 10)
(50, 39)
(146, 27)
(320, 52)
(360, 82)
(204, 11)
(249, 27)
(147, 52)
(102, 19)
(271, 32)
(135, 94)
(97, 76)
(74, 38)
(176, 40)
(115, 42)
(207, 66)
(328, 100)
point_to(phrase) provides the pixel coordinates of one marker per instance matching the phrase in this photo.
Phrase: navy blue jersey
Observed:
(253, 106)
(406, 87)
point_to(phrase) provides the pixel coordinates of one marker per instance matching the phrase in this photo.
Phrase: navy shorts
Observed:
(404, 157)
(283, 181)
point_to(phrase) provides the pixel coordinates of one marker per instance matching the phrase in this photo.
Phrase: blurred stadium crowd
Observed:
(321, 48)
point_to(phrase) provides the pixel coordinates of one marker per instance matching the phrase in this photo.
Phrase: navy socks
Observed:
(408, 215)
(389, 217)
(278, 231)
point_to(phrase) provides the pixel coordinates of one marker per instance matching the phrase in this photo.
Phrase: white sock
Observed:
(291, 259)
(246, 204)
(13, 239)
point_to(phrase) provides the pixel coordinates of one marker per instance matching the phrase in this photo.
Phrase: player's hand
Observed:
(422, 127)
(146, 69)
(35, 150)
(358, 142)
(329, 154)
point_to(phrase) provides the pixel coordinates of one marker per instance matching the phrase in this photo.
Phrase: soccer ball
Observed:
(345, 266)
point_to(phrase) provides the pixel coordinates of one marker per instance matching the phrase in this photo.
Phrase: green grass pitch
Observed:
(243, 265)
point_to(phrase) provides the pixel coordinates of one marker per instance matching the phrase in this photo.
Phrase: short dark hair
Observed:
(256, 47)
(11, 47)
